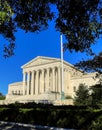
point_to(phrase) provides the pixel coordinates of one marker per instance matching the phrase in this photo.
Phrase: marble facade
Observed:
(42, 81)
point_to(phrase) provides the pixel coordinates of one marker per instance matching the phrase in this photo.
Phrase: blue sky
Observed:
(30, 45)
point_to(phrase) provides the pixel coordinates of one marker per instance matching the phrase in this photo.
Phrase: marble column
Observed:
(39, 82)
(47, 89)
(45, 79)
(32, 83)
(24, 83)
(53, 80)
(56, 79)
(36, 84)
(59, 79)
(28, 82)
(42, 82)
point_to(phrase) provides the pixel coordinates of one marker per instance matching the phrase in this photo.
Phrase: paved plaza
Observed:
(19, 126)
(8, 126)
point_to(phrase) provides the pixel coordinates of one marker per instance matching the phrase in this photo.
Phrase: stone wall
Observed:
(87, 79)
(15, 88)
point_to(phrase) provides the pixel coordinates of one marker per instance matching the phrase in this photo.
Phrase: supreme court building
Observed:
(42, 81)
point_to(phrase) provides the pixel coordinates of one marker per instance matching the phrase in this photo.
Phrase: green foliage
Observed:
(96, 124)
(72, 117)
(96, 94)
(78, 20)
(5, 11)
(92, 64)
(90, 97)
(0, 94)
(2, 97)
(82, 95)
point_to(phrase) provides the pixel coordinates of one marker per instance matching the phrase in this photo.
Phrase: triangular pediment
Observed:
(40, 61)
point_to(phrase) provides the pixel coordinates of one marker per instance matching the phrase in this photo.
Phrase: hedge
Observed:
(72, 117)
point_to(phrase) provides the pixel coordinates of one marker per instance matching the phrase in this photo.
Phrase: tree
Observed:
(96, 94)
(93, 64)
(91, 96)
(78, 20)
(28, 15)
(5, 12)
(82, 95)
(2, 97)
(0, 94)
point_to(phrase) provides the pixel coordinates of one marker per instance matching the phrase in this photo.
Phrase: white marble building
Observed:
(42, 81)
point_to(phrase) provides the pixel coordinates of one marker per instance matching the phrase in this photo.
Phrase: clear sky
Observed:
(30, 45)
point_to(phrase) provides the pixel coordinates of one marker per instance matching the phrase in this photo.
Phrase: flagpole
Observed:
(62, 83)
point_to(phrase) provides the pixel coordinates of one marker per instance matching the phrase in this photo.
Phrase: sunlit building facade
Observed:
(42, 81)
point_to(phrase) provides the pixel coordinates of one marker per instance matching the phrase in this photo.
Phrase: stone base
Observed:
(54, 102)
(40, 97)
(46, 98)
(63, 102)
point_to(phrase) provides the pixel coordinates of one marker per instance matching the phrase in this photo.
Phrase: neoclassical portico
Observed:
(40, 81)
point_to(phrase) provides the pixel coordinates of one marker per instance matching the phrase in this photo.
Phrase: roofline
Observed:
(58, 59)
(37, 58)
